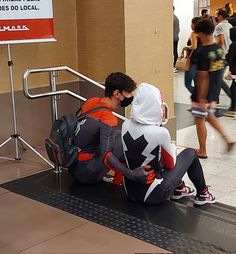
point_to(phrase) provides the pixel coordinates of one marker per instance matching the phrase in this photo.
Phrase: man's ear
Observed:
(116, 94)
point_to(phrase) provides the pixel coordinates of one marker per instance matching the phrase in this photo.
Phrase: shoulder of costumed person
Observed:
(147, 105)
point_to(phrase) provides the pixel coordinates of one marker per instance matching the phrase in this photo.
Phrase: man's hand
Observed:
(141, 175)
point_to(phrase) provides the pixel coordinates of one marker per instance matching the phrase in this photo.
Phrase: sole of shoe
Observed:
(181, 196)
(176, 197)
(199, 202)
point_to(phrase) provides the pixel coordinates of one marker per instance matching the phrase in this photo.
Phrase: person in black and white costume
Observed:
(146, 142)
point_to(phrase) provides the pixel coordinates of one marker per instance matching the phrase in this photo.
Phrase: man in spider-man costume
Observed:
(97, 138)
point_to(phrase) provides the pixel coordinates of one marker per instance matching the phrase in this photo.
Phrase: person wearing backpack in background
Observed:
(99, 141)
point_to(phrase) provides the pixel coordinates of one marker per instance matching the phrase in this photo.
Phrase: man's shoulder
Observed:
(225, 24)
(104, 115)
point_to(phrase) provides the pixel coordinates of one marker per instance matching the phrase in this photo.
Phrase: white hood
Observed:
(147, 105)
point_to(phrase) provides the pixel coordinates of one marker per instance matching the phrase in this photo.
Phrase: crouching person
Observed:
(97, 138)
(146, 142)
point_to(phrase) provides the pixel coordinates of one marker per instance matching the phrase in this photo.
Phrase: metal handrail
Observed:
(75, 73)
(54, 93)
(52, 73)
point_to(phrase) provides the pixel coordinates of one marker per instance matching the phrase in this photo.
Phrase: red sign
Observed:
(26, 21)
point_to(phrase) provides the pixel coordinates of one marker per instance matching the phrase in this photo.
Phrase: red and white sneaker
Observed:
(204, 197)
(182, 191)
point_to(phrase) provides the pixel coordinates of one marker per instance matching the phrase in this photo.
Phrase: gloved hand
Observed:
(141, 175)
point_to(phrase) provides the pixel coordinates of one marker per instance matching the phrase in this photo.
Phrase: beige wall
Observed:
(37, 55)
(128, 36)
(101, 37)
(148, 44)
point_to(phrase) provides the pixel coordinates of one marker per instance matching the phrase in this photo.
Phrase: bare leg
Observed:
(215, 123)
(202, 135)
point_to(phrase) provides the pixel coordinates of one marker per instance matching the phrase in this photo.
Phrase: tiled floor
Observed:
(219, 168)
(28, 226)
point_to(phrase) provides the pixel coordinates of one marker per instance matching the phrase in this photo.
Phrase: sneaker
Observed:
(204, 197)
(230, 113)
(182, 191)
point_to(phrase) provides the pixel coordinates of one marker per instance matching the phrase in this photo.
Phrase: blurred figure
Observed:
(222, 38)
(231, 60)
(231, 14)
(192, 44)
(210, 66)
(204, 14)
(176, 31)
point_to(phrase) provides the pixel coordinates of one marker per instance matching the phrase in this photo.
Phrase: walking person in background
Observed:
(231, 60)
(204, 14)
(210, 66)
(231, 14)
(221, 34)
(192, 44)
(176, 31)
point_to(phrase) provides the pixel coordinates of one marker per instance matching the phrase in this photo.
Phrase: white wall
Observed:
(184, 10)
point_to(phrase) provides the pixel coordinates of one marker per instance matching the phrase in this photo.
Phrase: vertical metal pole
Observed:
(15, 135)
(52, 76)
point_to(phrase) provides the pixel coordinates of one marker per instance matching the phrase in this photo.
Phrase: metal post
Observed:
(52, 77)
(10, 64)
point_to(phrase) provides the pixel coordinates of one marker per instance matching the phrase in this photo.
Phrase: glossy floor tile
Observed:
(25, 223)
(28, 226)
(29, 164)
(93, 239)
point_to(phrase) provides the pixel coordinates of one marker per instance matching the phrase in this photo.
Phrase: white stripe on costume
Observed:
(152, 187)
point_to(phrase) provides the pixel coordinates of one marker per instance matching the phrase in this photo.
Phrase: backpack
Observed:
(59, 146)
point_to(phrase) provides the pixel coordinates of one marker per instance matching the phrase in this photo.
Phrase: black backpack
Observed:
(59, 146)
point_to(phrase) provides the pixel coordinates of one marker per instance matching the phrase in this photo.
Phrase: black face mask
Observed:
(127, 101)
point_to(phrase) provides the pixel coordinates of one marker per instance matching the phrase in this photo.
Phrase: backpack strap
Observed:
(91, 111)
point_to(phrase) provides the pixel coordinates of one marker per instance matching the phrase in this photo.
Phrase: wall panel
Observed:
(100, 37)
(148, 44)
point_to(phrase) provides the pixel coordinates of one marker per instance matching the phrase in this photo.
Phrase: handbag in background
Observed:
(183, 62)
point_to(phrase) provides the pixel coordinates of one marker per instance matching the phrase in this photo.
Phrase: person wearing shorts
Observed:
(210, 66)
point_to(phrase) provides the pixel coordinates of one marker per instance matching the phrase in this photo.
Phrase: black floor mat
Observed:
(175, 226)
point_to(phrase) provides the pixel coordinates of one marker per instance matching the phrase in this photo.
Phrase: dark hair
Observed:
(204, 26)
(227, 7)
(118, 81)
(204, 11)
(223, 13)
(195, 20)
